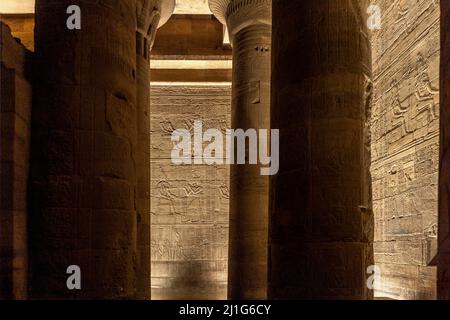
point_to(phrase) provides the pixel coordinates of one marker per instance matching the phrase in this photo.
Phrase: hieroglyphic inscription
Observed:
(189, 204)
(405, 147)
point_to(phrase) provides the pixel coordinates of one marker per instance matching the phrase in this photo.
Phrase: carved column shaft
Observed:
(84, 146)
(320, 213)
(249, 24)
(143, 164)
(151, 14)
(145, 15)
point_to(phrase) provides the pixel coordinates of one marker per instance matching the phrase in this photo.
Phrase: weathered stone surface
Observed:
(22, 27)
(83, 151)
(15, 113)
(405, 146)
(443, 290)
(321, 226)
(15, 103)
(190, 202)
(151, 14)
(92, 153)
(250, 27)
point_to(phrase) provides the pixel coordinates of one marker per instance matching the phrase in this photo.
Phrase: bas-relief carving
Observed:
(405, 145)
(189, 203)
(413, 103)
(180, 200)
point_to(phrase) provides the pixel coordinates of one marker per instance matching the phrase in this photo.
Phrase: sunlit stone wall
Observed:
(189, 204)
(405, 146)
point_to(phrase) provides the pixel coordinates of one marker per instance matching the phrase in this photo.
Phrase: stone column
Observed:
(84, 149)
(321, 224)
(151, 14)
(249, 24)
(443, 262)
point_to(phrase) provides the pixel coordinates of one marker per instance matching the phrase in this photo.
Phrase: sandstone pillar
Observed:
(443, 285)
(84, 149)
(151, 14)
(249, 24)
(320, 202)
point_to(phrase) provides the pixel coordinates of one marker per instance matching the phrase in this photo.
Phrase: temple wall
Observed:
(189, 203)
(405, 148)
(22, 27)
(15, 109)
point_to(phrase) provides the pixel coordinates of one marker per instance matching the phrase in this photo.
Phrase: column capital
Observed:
(239, 14)
(151, 15)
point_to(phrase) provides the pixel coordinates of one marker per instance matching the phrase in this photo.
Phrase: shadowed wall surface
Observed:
(15, 114)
